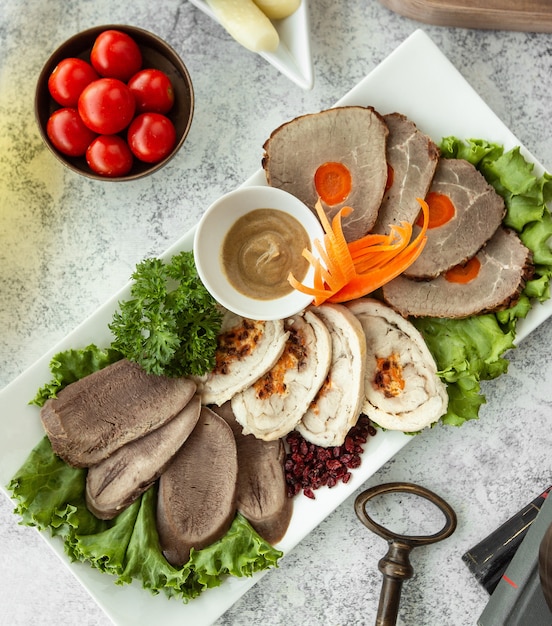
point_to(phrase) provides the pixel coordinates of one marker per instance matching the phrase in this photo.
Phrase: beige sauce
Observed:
(261, 249)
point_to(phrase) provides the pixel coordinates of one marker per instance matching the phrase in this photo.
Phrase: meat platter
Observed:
(455, 110)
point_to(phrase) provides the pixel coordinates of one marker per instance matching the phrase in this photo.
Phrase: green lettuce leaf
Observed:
(465, 399)
(466, 351)
(70, 365)
(536, 236)
(474, 150)
(239, 553)
(51, 496)
(43, 487)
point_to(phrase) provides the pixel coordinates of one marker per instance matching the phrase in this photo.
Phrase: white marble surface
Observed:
(67, 244)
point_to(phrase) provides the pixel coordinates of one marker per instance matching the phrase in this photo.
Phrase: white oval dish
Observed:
(209, 238)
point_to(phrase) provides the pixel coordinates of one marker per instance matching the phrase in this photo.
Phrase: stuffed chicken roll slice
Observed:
(246, 349)
(336, 407)
(402, 390)
(273, 405)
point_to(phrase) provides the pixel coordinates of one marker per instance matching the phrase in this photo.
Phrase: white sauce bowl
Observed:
(208, 241)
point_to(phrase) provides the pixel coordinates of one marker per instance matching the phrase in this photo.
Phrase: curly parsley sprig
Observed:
(170, 324)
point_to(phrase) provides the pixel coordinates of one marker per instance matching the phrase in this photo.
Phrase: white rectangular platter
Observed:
(397, 84)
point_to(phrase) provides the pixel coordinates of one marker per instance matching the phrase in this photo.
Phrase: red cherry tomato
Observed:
(116, 55)
(68, 133)
(151, 137)
(68, 79)
(152, 90)
(106, 106)
(109, 155)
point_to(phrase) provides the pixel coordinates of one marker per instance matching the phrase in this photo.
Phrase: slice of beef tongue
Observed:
(354, 136)
(478, 213)
(115, 483)
(505, 266)
(94, 416)
(196, 502)
(262, 495)
(412, 158)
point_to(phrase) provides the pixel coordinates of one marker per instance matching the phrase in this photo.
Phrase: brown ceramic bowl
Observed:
(156, 54)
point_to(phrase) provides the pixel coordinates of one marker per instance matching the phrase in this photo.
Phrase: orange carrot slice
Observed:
(441, 210)
(378, 254)
(371, 239)
(374, 261)
(340, 275)
(368, 282)
(333, 182)
(337, 257)
(464, 272)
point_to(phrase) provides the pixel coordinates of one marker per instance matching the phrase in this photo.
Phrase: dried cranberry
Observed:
(333, 464)
(350, 444)
(309, 467)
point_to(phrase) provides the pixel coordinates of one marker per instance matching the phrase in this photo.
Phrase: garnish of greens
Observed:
(170, 323)
(169, 326)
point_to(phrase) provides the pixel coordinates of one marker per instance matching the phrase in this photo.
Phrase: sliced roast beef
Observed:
(94, 416)
(115, 483)
(196, 502)
(478, 212)
(246, 349)
(412, 158)
(273, 405)
(352, 136)
(401, 388)
(336, 407)
(262, 494)
(504, 265)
